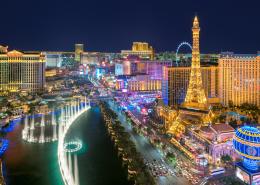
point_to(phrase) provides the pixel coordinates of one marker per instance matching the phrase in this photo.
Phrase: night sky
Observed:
(112, 25)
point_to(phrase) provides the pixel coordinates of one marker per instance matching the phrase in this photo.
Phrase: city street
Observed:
(150, 153)
(155, 160)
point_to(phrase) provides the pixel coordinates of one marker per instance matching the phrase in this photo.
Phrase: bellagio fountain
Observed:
(54, 127)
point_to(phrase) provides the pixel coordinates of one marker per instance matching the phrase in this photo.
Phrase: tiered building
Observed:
(21, 72)
(141, 49)
(239, 78)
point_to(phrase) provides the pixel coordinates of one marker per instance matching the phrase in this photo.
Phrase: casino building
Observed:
(134, 83)
(239, 78)
(247, 144)
(175, 81)
(134, 74)
(21, 72)
(79, 48)
(218, 139)
(141, 49)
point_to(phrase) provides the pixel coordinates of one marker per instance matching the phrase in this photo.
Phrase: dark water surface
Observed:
(36, 164)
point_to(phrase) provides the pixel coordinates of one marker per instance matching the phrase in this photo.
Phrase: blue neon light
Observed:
(249, 153)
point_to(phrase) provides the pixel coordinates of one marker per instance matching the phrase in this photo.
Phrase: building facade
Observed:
(218, 138)
(132, 66)
(141, 49)
(134, 83)
(79, 48)
(144, 83)
(154, 68)
(53, 59)
(239, 78)
(3, 49)
(22, 72)
(176, 80)
(125, 68)
(57, 59)
(92, 58)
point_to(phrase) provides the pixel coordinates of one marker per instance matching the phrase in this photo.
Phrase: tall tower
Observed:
(79, 48)
(195, 97)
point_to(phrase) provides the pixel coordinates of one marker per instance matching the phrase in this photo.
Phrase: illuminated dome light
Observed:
(72, 146)
(247, 144)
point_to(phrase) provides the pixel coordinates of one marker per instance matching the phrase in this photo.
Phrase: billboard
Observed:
(242, 175)
(256, 180)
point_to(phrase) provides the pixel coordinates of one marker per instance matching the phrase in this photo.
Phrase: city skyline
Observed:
(130, 92)
(113, 26)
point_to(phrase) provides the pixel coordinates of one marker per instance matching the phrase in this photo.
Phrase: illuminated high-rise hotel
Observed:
(176, 80)
(141, 49)
(79, 49)
(21, 72)
(239, 78)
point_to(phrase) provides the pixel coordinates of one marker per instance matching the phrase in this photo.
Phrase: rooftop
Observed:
(233, 55)
(206, 129)
(222, 128)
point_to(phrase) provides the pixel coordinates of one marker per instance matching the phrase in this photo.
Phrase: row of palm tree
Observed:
(131, 158)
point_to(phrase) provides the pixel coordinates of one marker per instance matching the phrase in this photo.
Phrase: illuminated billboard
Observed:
(242, 175)
(256, 180)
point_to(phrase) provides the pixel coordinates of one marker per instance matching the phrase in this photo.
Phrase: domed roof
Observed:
(247, 142)
(249, 134)
(14, 53)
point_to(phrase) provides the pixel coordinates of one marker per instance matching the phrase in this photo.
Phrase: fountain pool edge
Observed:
(65, 173)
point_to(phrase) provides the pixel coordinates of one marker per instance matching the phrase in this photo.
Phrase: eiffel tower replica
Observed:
(196, 103)
(195, 97)
(195, 110)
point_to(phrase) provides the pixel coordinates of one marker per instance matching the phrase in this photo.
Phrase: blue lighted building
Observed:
(247, 144)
